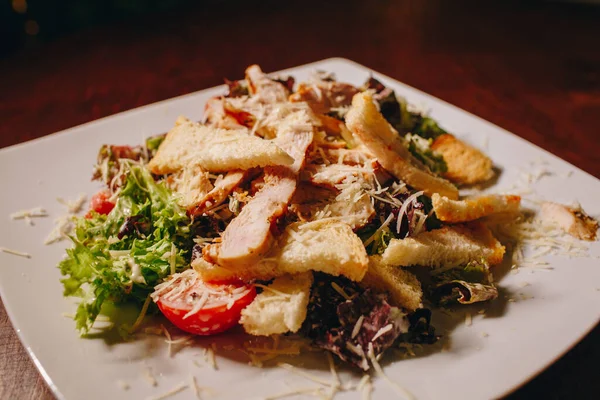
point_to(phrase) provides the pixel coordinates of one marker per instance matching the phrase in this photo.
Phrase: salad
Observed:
(322, 210)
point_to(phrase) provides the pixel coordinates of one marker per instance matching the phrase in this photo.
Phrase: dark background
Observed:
(531, 67)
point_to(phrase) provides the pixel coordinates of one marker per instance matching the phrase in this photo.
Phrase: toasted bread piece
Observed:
(218, 150)
(474, 208)
(446, 247)
(403, 287)
(328, 246)
(367, 123)
(572, 220)
(325, 245)
(466, 165)
(280, 308)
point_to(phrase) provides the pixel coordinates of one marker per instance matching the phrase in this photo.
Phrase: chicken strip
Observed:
(219, 193)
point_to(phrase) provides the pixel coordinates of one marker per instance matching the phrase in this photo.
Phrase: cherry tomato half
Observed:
(100, 203)
(203, 308)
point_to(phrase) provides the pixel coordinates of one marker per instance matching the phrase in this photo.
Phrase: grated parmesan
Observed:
(27, 215)
(148, 376)
(400, 390)
(468, 319)
(382, 331)
(14, 252)
(182, 386)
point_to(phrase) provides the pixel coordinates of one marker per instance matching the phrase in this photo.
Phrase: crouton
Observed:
(280, 308)
(474, 208)
(213, 149)
(367, 123)
(403, 287)
(449, 246)
(466, 165)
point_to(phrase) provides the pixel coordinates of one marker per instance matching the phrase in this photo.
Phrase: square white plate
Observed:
(527, 337)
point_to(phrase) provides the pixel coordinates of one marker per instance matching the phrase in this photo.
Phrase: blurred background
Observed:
(531, 67)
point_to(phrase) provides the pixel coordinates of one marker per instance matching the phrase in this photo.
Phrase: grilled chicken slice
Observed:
(264, 88)
(248, 237)
(218, 115)
(366, 122)
(192, 184)
(572, 220)
(219, 193)
(323, 96)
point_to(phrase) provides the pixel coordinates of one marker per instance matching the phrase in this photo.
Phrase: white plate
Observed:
(528, 336)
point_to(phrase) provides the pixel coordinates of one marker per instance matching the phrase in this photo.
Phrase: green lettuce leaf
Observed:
(419, 148)
(472, 283)
(117, 258)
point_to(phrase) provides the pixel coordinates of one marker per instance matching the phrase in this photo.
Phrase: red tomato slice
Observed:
(202, 308)
(100, 203)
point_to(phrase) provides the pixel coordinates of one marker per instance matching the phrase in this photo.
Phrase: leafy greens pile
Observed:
(121, 256)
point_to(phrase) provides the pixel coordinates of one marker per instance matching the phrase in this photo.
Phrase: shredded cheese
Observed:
(73, 206)
(210, 356)
(357, 326)
(382, 331)
(341, 291)
(62, 227)
(409, 201)
(169, 340)
(468, 319)
(15, 252)
(400, 390)
(141, 316)
(294, 392)
(194, 386)
(304, 374)
(27, 215)
(149, 377)
(182, 386)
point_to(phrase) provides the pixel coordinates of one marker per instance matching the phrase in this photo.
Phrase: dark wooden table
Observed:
(531, 68)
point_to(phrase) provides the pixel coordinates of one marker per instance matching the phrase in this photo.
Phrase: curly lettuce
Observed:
(121, 256)
(467, 284)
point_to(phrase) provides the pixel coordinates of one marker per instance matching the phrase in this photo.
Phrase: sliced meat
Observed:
(474, 208)
(216, 115)
(248, 237)
(366, 122)
(192, 184)
(322, 96)
(219, 193)
(265, 89)
(572, 220)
